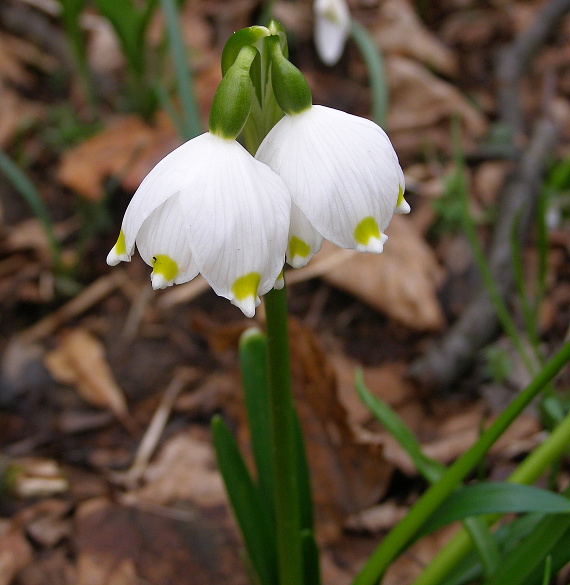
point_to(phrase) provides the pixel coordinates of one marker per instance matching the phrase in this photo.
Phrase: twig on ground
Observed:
(514, 60)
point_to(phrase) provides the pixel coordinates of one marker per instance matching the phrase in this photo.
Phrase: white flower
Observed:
(343, 176)
(210, 207)
(332, 25)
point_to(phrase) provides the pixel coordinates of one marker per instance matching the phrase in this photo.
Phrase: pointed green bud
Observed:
(240, 39)
(289, 85)
(232, 100)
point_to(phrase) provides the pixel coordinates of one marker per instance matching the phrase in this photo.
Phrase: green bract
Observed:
(232, 101)
(289, 85)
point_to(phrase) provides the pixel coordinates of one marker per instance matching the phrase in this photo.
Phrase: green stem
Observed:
(404, 532)
(527, 472)
(287, 514)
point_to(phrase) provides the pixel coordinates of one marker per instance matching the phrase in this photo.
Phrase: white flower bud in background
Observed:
(332, 25)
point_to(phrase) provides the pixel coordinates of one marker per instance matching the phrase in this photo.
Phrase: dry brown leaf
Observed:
(420, 99)
(80, 360)
(408, 566)
(401, 282)
(400, 31)
(11, 66)
(387, 380)
(15, 113)
(28, 235)
(185, 470)
(377, 518)
(15, 554)
(128, 149)
(347, 473)
(158, 545)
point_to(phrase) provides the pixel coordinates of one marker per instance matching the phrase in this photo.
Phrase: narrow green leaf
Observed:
(303, 478)
(495, 498)
(507, 537)
(192, 124)
(525, 562)
(557, 558)
(547, 570)
(251, 514)
(430, 469)
(253, 366)
(484, 543)
(311, 573)
(376, 73)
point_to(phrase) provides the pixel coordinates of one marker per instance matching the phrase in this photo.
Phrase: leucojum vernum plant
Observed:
(236, 215)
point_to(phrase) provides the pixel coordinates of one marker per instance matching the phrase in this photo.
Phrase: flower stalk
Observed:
(287, 513)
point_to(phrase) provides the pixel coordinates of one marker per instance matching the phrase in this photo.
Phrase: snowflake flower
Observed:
(209, 207)
(343, 176)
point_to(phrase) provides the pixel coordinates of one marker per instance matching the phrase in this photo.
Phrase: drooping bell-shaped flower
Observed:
(332, 25)
(341, 171)
(211, 207)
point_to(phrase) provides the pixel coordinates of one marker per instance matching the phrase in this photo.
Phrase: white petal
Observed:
(304, 240)
(113, 257)
(332, 25)
(237, 216)
(340, 169)
(163, 244)
(167, 178)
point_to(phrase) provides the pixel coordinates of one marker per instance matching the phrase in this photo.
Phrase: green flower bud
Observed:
(289, 85)
(232, 100)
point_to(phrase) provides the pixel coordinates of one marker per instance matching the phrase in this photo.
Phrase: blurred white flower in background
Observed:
(332, 26)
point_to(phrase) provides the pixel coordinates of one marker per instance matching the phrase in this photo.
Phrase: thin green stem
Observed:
(376, 74)
(192, 126)
(405, 531)
(287, 514)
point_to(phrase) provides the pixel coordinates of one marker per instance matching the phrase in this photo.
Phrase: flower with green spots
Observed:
(343, 176)
(210, 207)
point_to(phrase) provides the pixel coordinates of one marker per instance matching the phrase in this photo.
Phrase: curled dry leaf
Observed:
(400, 31)
(127, 149)
(401, 282)
(80, 360)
